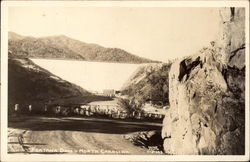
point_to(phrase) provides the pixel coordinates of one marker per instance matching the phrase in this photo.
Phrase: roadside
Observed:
(74, 135)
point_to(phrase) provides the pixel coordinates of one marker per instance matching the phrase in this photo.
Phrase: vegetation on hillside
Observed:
(63, 47)
(149, 84)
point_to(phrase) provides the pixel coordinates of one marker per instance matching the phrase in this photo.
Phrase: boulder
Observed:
(207, 95)
(146, 139)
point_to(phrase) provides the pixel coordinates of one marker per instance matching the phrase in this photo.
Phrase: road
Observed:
(74, 135)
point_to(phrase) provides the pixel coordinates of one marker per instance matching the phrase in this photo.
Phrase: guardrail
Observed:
(110, 111)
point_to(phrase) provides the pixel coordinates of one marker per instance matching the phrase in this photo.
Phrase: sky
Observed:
(159, 33)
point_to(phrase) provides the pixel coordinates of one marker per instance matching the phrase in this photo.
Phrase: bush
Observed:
(129, 105)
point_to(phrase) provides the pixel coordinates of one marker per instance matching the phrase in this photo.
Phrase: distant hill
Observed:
(30, 47)
(148, 83)
(63, 47)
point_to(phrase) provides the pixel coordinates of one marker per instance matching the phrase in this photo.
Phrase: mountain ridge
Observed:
(64, 47)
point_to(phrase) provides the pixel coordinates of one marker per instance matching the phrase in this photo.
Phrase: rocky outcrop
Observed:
(207, 95)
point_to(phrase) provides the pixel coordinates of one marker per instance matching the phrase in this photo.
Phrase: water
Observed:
(92, 76)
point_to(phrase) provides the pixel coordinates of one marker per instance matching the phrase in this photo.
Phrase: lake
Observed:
(92, 76)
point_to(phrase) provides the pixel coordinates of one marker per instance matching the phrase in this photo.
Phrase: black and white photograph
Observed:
(118, 78)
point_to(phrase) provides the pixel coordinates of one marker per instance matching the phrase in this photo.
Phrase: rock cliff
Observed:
(207, 95)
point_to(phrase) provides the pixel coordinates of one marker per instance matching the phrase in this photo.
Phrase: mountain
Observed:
(63, 47)
(148, 83)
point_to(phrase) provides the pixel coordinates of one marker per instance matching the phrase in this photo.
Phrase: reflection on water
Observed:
(94, 76)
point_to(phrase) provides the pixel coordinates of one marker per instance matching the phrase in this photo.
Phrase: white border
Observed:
(4, 51)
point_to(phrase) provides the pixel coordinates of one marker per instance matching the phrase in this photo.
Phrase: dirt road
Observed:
(74, 135)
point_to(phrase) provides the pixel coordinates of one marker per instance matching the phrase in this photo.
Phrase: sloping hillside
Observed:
(29, 83)
(63, 47)
(148, 84)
